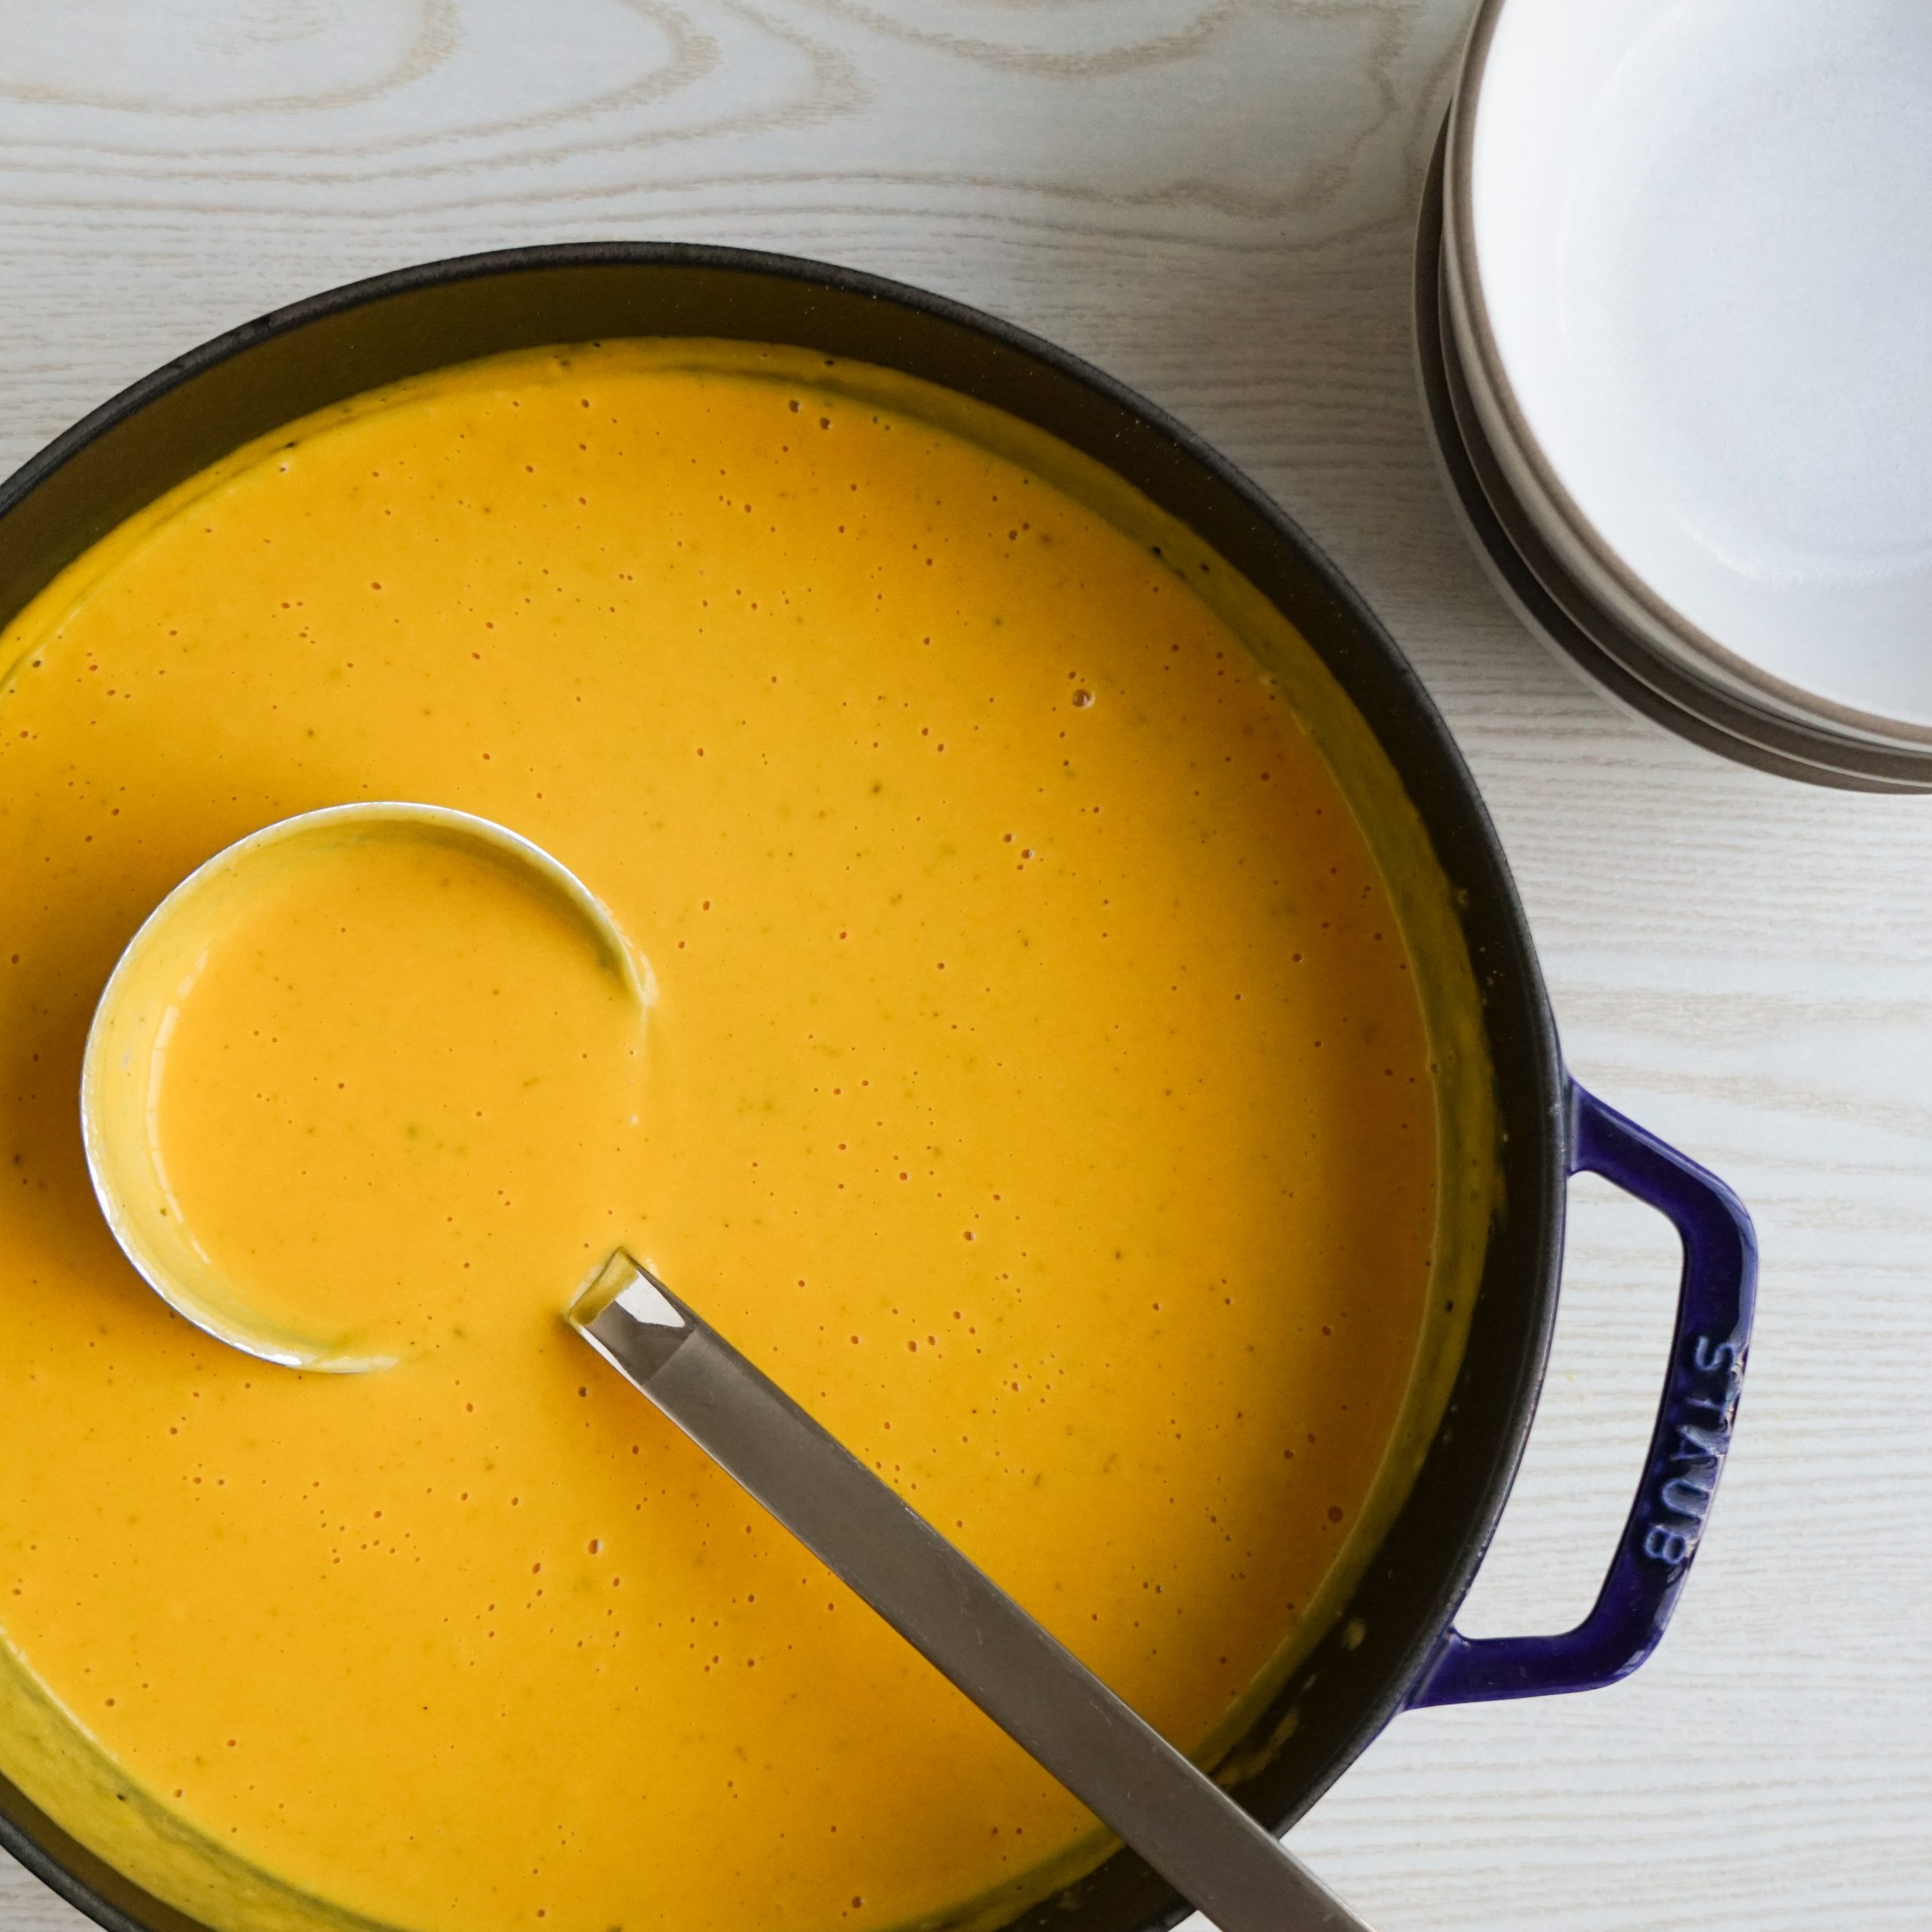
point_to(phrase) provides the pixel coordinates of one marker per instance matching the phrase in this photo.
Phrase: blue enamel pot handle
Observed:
(1700, 1391)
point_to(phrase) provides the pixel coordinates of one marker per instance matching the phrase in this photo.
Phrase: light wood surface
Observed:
(1214, 201)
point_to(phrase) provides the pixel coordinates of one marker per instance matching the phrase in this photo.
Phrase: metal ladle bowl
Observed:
(127, 1044)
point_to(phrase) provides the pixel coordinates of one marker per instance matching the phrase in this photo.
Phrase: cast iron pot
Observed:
(1395, 1648)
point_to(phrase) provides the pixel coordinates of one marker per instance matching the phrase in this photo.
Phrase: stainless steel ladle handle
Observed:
(1034, 1689)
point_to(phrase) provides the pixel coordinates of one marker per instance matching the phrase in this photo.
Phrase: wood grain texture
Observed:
(1214, 200)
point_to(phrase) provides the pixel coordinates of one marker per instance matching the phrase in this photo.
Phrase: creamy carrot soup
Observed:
(1056, 1080)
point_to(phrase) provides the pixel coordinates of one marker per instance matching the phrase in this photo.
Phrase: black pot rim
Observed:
(1532, 1088)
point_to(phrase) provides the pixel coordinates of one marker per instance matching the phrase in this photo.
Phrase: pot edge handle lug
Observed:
(1716, 1296)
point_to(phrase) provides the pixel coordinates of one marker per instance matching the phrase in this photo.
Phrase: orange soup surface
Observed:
(1041, 1085)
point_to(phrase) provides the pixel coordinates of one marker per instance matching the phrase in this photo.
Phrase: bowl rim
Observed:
(1488, 379)
(1560, 612)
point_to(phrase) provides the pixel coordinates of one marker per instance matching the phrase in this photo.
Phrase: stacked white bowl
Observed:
(1681, 274)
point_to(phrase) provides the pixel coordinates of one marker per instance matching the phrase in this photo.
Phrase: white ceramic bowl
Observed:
(1576, 627)
(1687, 278)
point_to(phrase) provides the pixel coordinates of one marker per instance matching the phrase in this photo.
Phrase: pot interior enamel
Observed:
(303, 359)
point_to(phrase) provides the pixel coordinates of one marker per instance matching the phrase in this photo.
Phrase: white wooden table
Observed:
(1213, 199)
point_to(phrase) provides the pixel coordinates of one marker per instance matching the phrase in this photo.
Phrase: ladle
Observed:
(1034, 1689)
(128, 1048)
